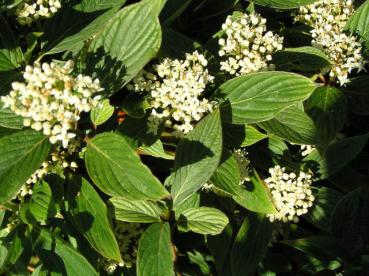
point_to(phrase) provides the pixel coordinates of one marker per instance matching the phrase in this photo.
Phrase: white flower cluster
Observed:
(247, 45)
(175, 90)
(291, 194)
(328, 19)
(31, 10)
(306, 150)
(51, 99)
(127, 235)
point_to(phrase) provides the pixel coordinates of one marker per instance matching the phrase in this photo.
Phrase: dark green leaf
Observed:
(21, 154)
(283, 4)
(97, 5)
(359, 22)
(155, 257)
(338, 155)
(251, 244)
(327, 107)
(203, 220)
(197, 157)
(8, 119)
(118, 171)
(293, 125)
(58, 256)
(89, 214)
(260, 96)
(136, 210)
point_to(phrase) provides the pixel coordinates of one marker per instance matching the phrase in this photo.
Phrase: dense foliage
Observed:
(184, 137)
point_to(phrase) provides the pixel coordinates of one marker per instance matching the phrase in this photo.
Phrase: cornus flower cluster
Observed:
(51, 99)
(246, 44)
(176, 90)
(291, 194)
(328, 19)
(31, 10)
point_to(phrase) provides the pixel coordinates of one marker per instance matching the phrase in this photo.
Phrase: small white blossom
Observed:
(328, 19)
(51, 99)
(306, 150)
(30, 10)
(291, 194)
(175, 91)
(246, 44)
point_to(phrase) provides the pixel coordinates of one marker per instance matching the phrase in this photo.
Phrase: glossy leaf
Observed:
(261, 96)
(21, 154)
(136, 210)
(359, 22)
(197, 157)
(293, 125)
(88, 212)
(250, 244)
(155, 257)
(8, 119)
(203, 220)
(327, 107)
(118, 171)
(59, 256)
(102, 112)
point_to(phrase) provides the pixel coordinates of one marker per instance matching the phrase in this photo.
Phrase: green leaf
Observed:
(118, 171)
(41, 206)
(124, 45)
(155, 257)
(136, 210)
(327, 107)
(89, 214)
(250, 244)
(259, 97)
(358, 95)
(344, 220)
(235, 136)
(21, 154)
(102, 112)
(198, 259)
(359, 22)
(69, 29)
(203, 220)
(8, 119)
(252, 196)
(197, 157)
(321, 212)
(58, 256)
(97, 5)
(156, 150)
(304, 59)
(293, 125)
(283, 4)
(172, 10)
(10, 59)
(338, 155)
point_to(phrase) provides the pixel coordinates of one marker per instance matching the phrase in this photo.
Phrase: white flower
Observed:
(246, 45)
(291, 194)
(31, 10)
(175, 91)
(51, 99)
(328, 19)
(306, 150)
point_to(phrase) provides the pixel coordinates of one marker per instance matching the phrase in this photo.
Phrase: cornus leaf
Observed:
(203, 220)
(155, 255)
(293, 125)
(59, 256)
(259, 97)
(102, 112)
(136, 210)
(8, 119)
(21, 154)
(118, 171)
(197, 156)
(359, 22)
(97, 5)
(328, 106)
(283, 4)
(251, 244)
(89, 214)
(124, 45)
